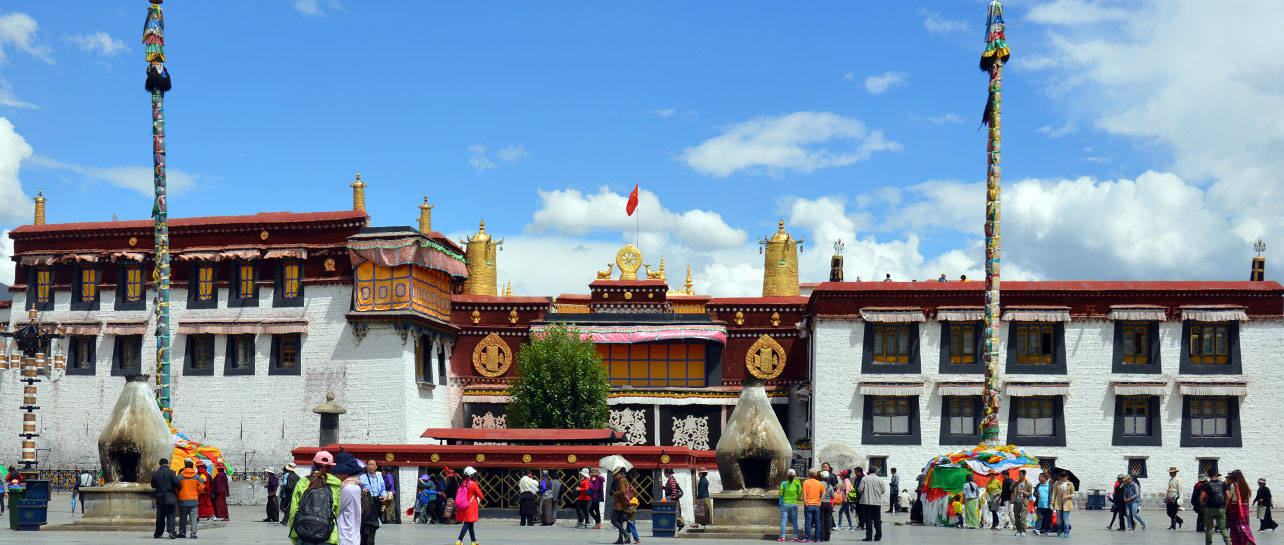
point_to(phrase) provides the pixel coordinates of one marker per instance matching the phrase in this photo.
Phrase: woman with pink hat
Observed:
(311, 523)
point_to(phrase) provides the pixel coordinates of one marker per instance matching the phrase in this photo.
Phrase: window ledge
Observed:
(425, 385)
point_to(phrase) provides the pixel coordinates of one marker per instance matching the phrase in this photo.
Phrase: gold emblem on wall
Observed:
(263, 235)
(476, 316)
(628, 295)
(133, 241)
(481, 458)
(740, 318)
(664, 458)
(766, 358)
(387, 457)
(526, 458)
(775, 318)
(435, 457)
(328, 264)
(492, 357)
(629, 260)
(512, 316)
(570, 458)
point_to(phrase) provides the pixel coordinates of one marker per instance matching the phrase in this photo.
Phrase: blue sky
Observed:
(846, 119)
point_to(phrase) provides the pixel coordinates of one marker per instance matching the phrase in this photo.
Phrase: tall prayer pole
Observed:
(996, 53)
(158, 83)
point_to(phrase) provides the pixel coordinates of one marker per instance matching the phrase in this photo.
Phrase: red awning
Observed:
(523, 435)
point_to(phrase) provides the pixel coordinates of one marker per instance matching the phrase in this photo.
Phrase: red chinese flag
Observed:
(633, 201)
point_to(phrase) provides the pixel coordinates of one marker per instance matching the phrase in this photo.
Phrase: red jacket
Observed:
(474, 502)
(585, 486)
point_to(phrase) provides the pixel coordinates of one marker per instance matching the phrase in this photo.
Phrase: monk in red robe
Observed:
(206, 507)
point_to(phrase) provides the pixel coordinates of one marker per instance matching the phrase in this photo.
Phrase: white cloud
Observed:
(99, 42)
(7, 265)
(947, 118)
(570, 212)
(789, 142)
(7, 98)
(19, 30)
(850, 75)
(663, 112)
(317, 8)
(15, 206)
(1075, 12)
(136, 178)
(1058, 132)
(513, 154)
(478, 160)
(879, 84)
(936, 24)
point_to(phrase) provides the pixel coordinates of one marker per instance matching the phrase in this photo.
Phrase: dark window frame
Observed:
(1047, 463)
(426, 360)
(189, 356)
(978, 412)
(278, 285)
(978, 367)
(1152, 367)
(1058, 357)
(74, 344)
(194, 286)
(78, 287)
(877, 465)
(1233, 366)
(1058, 437)
(274, 365)
(122, 286)
(1233, 437)
(1155, 423)
(442, 365)
(1204, 464)
(118, 368)
(234, 298)
(868, 437)
(232, 364)
(912, 366)
(1137, 471)
(33, 288)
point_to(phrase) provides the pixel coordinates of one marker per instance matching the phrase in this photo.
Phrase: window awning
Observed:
(1032, 389)
(891, 388)
(239, 255)
(286, 253)
(960, 388)
(242, 328)
(960, 314)
(1146, 313)
(123, 329)
(128, 256)
(1036, 314)
(87, 328)
(29, 260)
(79, 258)
(196, 256)
(1213, 388)
(1140, 388)
(1226, 313)
(892, 315)
(628, 334)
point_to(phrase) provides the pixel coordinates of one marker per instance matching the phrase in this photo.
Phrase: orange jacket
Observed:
(812, 489)
(189, 486)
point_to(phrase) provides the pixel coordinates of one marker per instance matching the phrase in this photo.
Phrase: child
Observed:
(427, 494)
(632, 527)
(958, 510)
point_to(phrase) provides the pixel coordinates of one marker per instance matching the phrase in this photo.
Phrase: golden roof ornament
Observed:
(480, 257)
(425, 217)
(40, 208)
(657, 275)
(629, 260)
(688, 283)
(780, 263)
(358, 194)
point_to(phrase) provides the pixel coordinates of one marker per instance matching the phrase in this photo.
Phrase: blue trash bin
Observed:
(33, 509)
(664, 518)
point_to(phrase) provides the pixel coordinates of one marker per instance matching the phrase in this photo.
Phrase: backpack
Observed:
(680, 493)
(462, 500)
(314, 520)
(1216, 494)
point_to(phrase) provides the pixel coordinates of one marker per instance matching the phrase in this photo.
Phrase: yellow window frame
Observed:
(133, 283)
(244, 280)
(204, 282)
(891, 343)
(1136, 342)
(1030, 345)
(1209, 343)
(963, 341)
(292, 273)
(88, 284)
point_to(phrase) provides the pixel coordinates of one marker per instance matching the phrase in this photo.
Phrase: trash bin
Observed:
(664, 518)
(1096, 500)
(16, 494)
(33, 508)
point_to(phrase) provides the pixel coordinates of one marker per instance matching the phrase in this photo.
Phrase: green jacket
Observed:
(334, 484)
(791, 493)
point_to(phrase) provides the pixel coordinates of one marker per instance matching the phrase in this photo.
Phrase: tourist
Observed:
(790, 498)
(314, 509)
(673, 492)
(1263, 503)
(372, 481)
(621, 493)
(1063, 502)
(942, 278)
(206, 509)
(1172, 499)
(289, 479)
(597, 486)
(858, 474)
(957, 506)
(271, 483)
(844, 495)
(994, 497)
(348, 520)
(812, 490)
(1043, 504)
(582, 500)
(437, 509)
(1117, 504)
(1237, 520)
(391, 507)
(916, 509)
(1213, 497)
(165, 487)
(971, 498)
(703, 499)
(425, 494)
(888, 278)
(450, 485)
(527, 498)
(894, 492)
(84, 480)
(189, 493)
(906, 501)
(1133, 499)
(550, 491)
(826, 506)
(873, 492)
(371, 514)
(1197, 501)
(1021, 493)
(631, 525)
(831, 480)
(1005, 498)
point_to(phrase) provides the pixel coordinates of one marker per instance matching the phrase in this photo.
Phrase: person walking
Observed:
(289, 479)
(673, 492)
(790, 498)
(1133, 499)
(271, 483)
(1263, 503)
(314, 506)
(206, 509)
(1213, 497)
(425, 493)
(812, 490)
(971, 496)
(468, 500)
(1021, 492)
(1172, 499)
(621, 494)
(842, 495)
(1063, 502)
(219, 488)
(391, 507)
(527, 498)
(372, 481)
(994, 498)
(165, 485)
(189, 494)
(894, 492)
(1197, 501)
(873, 492)
(1118, 507)
(596, 487)
(705, 514)
(1237, 519)
(826, 506)
(1043, 505)
(582, 499)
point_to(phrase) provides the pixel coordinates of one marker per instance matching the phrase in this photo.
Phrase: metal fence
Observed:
(500, 489)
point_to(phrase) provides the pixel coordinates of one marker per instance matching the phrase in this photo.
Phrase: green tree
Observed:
(561, 382)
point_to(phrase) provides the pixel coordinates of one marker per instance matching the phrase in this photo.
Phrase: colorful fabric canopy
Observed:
(628, 334)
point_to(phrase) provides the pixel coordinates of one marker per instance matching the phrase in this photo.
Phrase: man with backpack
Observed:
(1213, 497)
(674, 494)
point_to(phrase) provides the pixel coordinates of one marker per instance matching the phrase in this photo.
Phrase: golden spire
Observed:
(425, 217)
(780, 263)
(358, 194)
(479, 255)
(40, 208)
(688, 283)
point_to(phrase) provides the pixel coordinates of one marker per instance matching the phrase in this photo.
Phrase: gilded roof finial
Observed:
(425, 217)
(358, 194)
(40, 208)
(1259, 247)
(688, 284)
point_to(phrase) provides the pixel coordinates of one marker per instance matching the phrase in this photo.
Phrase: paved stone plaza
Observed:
(245, 529)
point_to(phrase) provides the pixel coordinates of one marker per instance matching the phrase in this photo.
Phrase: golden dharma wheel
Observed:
(526, 458)
(664, 458)
(481, 458)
